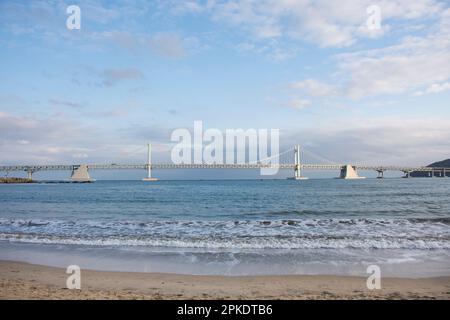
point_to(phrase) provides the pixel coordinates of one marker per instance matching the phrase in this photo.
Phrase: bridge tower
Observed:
(29, 173)
(297, 171)
(149, 165)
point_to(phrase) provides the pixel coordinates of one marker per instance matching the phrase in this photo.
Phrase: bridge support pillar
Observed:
(297, 171)
(149, 165)
(349, 172)
(380, 174)
(407, 174)
(81, 174)
(30, 174)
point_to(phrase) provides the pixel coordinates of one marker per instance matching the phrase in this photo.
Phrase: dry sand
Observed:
(26, 281)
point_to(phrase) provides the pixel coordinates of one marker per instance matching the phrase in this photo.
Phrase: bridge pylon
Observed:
(30, 173)
(297, 167)
(149, 165)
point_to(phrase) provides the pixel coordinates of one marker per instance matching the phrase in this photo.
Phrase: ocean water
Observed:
(316, 226)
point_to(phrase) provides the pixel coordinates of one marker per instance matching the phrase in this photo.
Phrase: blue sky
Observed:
(139, 69)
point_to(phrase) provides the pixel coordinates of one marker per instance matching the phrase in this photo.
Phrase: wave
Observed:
(417, 233)
(250, 242)
(41, 222)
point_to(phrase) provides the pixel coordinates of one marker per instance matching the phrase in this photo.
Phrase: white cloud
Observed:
(80, 156)
(321, 22)
(397, 72)
(167, 45)
(272, 50)
(298, 103)
(434, 88)
(100, 14)
(439, 87)
(419, 64)
(314, 87)
(378, 140)
(28, 139)
(61, 139)
(187, 6)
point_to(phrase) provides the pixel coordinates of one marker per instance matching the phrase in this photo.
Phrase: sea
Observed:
(232, 227)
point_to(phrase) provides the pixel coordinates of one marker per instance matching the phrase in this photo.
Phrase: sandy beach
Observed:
(27, 281)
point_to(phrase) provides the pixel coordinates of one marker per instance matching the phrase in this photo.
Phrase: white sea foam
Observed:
(242, 234)
(239, 243)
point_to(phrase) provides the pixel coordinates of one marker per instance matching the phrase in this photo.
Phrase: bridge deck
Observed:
(35, 168)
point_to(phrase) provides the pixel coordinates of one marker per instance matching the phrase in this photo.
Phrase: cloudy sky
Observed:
(136, 70)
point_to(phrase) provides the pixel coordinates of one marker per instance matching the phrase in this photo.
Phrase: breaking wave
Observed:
(414, 233)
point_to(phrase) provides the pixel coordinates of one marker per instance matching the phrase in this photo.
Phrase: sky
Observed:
(137, 70)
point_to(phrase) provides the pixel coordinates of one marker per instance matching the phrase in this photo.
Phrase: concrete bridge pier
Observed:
(80, 173)
(349, 172)
(407, 174)
(380, 174)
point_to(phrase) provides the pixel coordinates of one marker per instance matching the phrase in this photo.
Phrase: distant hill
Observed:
(441, 164)
(438, 164)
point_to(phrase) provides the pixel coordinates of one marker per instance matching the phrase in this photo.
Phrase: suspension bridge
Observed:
(80, 172)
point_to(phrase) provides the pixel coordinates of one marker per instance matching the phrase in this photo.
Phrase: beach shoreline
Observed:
(19, 280)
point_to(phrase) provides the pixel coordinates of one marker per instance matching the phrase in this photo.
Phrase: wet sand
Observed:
(27, 281)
